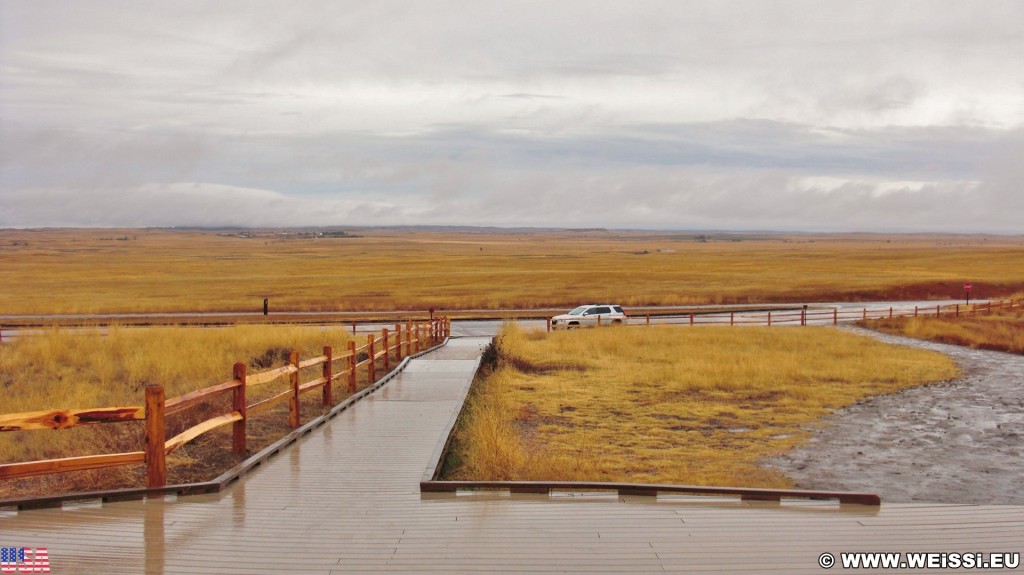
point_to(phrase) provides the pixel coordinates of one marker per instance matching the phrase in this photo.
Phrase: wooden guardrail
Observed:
(802, 317)
(380, 347)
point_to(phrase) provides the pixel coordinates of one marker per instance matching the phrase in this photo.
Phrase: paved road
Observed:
(345, 499)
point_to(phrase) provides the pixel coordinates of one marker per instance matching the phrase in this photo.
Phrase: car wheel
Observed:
(616, 322)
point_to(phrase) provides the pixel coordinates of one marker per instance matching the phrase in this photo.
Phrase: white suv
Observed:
(589, 315)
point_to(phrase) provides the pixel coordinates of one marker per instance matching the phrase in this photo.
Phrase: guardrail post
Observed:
(938, 310)
(890, 312)
(293, 401)
(648, 320)
(835, 316)
(328, 390)
(398, 342)
(915, 311)
(989, 308)
(769, 319)
(957, 310)
(691, 319)
(352, 366)
(156, 456)
(864, 316)
(238, 404)
(371, 368)
(803, 316)
(387, 361)
(732, 318)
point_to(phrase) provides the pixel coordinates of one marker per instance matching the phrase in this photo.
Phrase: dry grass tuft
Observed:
(669, 405)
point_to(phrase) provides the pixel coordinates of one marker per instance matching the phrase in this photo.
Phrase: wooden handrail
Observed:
(312, 362)
(268, 376)
(30, 468)
(197, 430)
(68, 418)
(176, 404)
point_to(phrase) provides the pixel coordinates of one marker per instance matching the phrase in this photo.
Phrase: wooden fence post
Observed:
(238, 404)
(769, 319)
(835, 316)
(864, 317)
(648, 320)
(691, 319)
(732, 318)
(371, 368)
(352, 366)
(398, 342)
(408, 337)
(957, 310)
(803, 317)
(387, 342)
(915, 311)
(890, 312)
(416, 327)
(328, 389)
(293, 401)
(938, 310)
(156, 456)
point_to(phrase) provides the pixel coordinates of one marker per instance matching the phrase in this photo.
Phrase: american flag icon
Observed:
(24, 560)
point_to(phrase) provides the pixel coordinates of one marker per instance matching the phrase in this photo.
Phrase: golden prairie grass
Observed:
(668, 405)
(76, 370)
(93, 271)
(1000, 330)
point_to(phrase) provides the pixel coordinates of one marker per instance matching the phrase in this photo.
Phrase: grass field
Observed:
(668, 405)
(157, 270)
(80, 370)
(1001, 330)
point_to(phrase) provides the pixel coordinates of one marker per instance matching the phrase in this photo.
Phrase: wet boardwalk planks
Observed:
(345, 499)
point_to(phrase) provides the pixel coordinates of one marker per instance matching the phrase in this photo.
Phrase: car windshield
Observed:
(579, 310)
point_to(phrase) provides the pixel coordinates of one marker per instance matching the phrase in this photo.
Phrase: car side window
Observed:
(601, 310)
(617, 309)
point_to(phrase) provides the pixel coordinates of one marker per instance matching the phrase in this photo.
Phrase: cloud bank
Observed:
(828, 116)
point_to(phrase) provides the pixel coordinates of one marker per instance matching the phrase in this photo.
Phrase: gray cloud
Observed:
(791, 115)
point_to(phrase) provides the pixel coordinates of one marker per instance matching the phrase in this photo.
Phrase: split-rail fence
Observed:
(380, 349)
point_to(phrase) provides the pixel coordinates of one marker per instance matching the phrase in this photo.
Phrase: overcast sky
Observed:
(817, 115)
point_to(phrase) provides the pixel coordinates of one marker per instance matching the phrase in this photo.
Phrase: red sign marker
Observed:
(967, 287)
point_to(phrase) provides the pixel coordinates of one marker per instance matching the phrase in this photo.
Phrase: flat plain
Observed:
(89, 271)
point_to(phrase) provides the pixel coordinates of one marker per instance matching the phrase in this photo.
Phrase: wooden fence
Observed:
(805, 316)
(380, 349)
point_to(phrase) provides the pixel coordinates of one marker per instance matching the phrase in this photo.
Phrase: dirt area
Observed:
(960, 441)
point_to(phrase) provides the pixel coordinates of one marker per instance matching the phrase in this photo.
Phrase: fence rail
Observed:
(380, 347)
(802, 317)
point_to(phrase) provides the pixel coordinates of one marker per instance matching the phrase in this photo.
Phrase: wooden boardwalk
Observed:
(345, 499)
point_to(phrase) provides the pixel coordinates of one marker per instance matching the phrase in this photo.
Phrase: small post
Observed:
(648, 321)
(293, 401)
(691, 319)
(732, 318)
(156, 456)
(408, 337)
(598, 321)
(398, 342)
(769, 319)
(238, 404)
(890, 312)
(938, 310)
(957, 310)
(864, 317)
(266, 306)
(803, 316)
(989, 307)
(549, 324)
(835, 316)
(371, 368)
(328, 390)
(352, 366)
(353, 328)
(915, 311)
(387, 362)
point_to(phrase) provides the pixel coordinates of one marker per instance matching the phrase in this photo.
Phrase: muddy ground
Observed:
(960, 441)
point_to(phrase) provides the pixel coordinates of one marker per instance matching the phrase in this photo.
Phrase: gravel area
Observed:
(960, 441)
